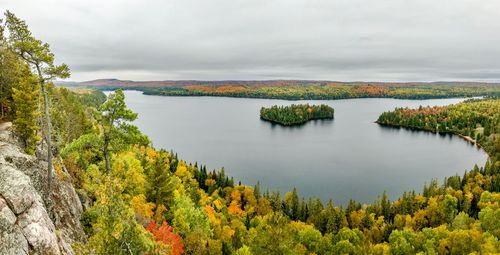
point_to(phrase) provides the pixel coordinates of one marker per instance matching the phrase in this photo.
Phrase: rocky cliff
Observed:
(26, 225)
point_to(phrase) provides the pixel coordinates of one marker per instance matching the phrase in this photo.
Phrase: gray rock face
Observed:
(11, 238)
(25, 225)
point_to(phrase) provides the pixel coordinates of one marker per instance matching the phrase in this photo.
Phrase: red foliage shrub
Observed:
(165, 235)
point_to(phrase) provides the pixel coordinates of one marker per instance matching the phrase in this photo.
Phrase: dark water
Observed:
(349, 157)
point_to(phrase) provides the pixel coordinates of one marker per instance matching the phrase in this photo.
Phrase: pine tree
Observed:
(386, 207)
(256, 190)
(118, 133)
(25, 97)
(39, 57)
(161, 184)
(294, 207)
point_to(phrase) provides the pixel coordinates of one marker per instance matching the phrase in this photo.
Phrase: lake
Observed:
(348, 157)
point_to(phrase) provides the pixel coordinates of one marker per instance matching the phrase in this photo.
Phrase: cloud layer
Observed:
(347, 40)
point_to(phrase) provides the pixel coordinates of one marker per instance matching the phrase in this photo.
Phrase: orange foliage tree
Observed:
(165, 235)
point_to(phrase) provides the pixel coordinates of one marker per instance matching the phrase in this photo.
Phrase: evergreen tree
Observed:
(294, 206)
(25, 97)
(117, 130)
(385, 205)
(11, 73)
(256, 190)
(161, 183)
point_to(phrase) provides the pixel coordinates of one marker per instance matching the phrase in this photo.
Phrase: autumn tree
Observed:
(191, 222)
(165, 234)
(115, 229)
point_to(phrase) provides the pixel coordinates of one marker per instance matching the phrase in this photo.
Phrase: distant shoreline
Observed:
(468, 139)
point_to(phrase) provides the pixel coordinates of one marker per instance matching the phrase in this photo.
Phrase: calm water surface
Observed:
(349, 157)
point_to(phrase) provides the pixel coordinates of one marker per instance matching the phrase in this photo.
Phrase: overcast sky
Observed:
(346, 40)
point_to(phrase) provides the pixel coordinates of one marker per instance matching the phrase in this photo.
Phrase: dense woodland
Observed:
(476, 119)
(296, 114)
(142, 200)
(327, 90)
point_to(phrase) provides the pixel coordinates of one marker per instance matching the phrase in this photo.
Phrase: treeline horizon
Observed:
(302, 90)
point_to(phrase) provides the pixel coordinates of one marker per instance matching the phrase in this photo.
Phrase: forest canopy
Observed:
(477, 119)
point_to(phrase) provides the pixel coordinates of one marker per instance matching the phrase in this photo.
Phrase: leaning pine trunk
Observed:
(48, 138)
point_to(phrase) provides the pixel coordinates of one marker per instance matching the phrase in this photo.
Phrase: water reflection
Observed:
(315, 123)
(445, 137)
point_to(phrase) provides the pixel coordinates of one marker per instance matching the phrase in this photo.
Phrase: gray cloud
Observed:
(393, 40)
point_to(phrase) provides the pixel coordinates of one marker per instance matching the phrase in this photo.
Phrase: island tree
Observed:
(296, 114)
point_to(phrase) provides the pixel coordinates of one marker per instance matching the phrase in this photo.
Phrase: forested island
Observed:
(296, 114)
(300, 90)
(137, 199)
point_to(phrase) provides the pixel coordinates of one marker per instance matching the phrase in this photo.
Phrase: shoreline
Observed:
(169, 93)
(293, 124)
(468, 139)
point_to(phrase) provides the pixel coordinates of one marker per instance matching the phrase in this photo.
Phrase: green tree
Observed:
(462, 221)
(402, 242)
(161, 183)
(490, 220)
(385, 205)
(348, 241)
(292, 204)
(11, 73)
(273, 236)
(449, 205)
(243, 251)
(25, 98)
(191, 222)
(71, 118)
(117, 130)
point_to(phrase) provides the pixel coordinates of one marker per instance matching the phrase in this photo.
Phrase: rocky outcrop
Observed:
(25, 225)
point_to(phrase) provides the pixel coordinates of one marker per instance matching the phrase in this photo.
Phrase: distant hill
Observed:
(272, 83)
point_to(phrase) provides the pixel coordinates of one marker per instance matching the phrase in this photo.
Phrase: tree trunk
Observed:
(48, 136)
(106, 154)
(48, 139)
(2, 100)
